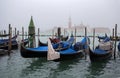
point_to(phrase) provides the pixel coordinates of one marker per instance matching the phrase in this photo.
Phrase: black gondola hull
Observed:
(100, 57)
(70, 56)
(32, 54)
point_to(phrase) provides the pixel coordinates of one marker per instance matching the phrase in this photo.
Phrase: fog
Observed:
(50, 13)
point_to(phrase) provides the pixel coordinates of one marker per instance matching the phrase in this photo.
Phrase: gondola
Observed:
(103, 51)
(54, 41)
(40, 51)
(60, 45)
(102, 37)
(42, 44)
(14, 44)
(69, 53)
(5, 41)
(63, 45)
(64, 38)
(119, 46)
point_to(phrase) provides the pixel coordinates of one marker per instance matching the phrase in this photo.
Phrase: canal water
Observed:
(15, 66)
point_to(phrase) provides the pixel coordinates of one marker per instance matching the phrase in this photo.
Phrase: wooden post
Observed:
(53, 33)
(86, 43)
(115, 41)
(29, 41)
(75, 34)
(23, 35)
(64, 32)
(113, 33)
(4, 31)
(10, 43)
(59, 33)
(15, 31)
(93, 38)
(38, 35)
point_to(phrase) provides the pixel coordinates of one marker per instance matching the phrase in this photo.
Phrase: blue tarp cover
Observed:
(68, 51)
(41, 48)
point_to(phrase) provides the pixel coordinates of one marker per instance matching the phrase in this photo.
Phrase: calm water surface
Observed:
(15, 66)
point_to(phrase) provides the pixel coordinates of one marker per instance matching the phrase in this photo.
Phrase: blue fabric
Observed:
(41, 48)
(44, 48)
(100, 51)
(68, 51)
(85, 40)
(106, 39)
(64, 44)
(71, 40)
(82, 44)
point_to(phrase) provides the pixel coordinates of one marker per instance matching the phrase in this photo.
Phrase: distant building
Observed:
(102, 30)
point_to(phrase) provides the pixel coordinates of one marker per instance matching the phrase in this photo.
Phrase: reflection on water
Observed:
(42, 68)
(96, 69)
(63, 68)
(15, 66)
(34, 65)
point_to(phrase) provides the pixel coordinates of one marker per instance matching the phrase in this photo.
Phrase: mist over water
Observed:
(50, 13)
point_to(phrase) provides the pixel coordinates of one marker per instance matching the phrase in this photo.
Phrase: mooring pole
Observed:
(64, 32)
(86, 43)
(115, 41)
(10, 43)
(75, 34)
(29, 41)
(15, 31)
(38, 35)
(59, 32)
(113, 33)
(18, 32)
(5, 32)
(23, 35)
(93, 38)
(53, 33)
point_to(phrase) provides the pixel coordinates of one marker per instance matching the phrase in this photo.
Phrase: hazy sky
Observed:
(49, 13)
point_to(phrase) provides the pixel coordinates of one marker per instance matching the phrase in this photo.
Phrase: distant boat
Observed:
(103, 51)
